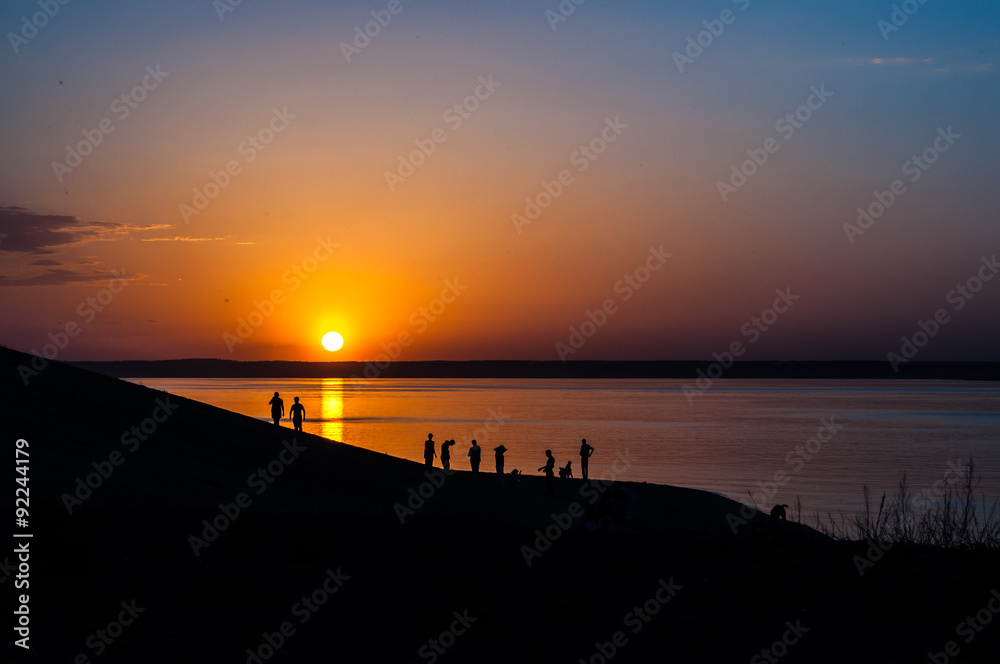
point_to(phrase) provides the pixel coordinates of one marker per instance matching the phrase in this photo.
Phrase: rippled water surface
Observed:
(737, 436)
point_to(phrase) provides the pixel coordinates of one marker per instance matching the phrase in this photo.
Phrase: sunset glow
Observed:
(484, 186)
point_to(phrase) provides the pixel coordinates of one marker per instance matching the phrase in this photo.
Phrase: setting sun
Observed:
(333, 341)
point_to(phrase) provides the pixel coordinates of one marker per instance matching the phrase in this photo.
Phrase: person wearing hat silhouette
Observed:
(498, 452)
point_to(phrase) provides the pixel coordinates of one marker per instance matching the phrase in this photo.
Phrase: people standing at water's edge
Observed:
(446, 454)
(475, 456)
(429, 453)
(498, 452)
(550, 470)
(586, 451)
(277, 408)
(298, 413)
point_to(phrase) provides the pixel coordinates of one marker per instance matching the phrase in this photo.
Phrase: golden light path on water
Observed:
(332, 408)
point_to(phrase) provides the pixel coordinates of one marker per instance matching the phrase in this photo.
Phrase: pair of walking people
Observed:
(297, 412)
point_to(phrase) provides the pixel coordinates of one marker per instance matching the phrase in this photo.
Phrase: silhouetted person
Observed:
(298, 413)
(498, 452)
(567, 471)
(549, 468)
(475, 456)
(586, 451)
(277, 408)
(446, 454)
(429, 453)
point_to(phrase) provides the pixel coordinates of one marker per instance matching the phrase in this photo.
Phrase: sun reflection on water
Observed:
(332, 408)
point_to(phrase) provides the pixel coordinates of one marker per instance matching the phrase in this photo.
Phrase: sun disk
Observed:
(333, 341)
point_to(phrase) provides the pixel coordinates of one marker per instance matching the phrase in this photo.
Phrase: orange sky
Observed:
(336, 128)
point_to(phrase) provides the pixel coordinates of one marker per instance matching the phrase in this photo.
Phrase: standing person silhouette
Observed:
(429, 453)
(277, 408)
(499, 450)
(586, 451)
(475, 455)
(446, 454)
(549, 468)
(298, 413)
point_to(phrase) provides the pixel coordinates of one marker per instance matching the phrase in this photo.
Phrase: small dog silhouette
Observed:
(567, 471)
(778, 513)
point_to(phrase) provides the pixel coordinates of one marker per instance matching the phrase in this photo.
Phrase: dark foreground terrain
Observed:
(316, 566)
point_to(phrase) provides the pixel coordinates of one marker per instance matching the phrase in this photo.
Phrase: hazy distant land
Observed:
(214, 368)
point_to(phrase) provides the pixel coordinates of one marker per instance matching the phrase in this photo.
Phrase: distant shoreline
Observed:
(685, 370)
